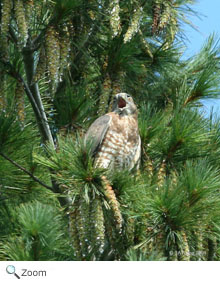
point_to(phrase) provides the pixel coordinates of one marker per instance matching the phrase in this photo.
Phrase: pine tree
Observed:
(61, 63)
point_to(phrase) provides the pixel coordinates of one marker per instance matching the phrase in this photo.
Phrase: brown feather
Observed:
(115, 136)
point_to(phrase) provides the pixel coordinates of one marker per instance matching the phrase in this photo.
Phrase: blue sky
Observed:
(208, 23)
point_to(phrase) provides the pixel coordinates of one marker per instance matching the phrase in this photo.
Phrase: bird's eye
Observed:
(129, 96)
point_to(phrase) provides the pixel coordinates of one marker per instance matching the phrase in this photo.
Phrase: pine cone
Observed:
(64, 41)
(134, 25)
(97, 221)
(53, 55)
(165, 16)
(185, 252)
(41, 65)
(156, 15)
(113, 202)
(148, 166)
(19, 97)
(83, 226)
(74, 232)
(21, 22)
(161, 174)
(5, 21)
(5, 16)
(29, 7)
(114, 17)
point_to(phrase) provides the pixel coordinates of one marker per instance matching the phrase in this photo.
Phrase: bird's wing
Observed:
(97, 131)
(137, 155)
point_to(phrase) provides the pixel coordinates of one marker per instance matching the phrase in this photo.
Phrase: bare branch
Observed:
(26, 171)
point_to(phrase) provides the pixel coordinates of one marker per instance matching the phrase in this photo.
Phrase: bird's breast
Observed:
(120, 143)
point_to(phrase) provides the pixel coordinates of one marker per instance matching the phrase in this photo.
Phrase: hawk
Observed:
(114, 137)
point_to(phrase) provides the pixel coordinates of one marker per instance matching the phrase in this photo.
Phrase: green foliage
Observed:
(72, 107)
(74, 167)
(137, 255)
(39, 234)
(61, 62)
(8, 131)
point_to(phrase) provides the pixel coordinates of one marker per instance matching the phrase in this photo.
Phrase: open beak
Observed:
(121, 103)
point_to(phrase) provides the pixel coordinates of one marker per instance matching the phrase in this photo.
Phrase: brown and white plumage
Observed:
(115, 137)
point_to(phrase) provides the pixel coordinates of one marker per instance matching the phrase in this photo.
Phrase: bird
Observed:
(114, 137)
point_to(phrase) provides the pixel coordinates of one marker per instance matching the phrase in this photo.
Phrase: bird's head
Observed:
(123, 104)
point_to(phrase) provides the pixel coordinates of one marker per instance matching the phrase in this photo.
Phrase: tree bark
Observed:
(28, 56)
(33, 93)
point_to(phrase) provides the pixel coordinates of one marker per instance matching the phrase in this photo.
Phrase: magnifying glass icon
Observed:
(10, 269)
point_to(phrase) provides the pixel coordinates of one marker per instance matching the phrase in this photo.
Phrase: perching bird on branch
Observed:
(114, 137)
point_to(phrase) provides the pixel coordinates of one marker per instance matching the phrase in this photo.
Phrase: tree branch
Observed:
(13, 35)
(26, 171)
(36, 104)
(34, 97)
(28, 56)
